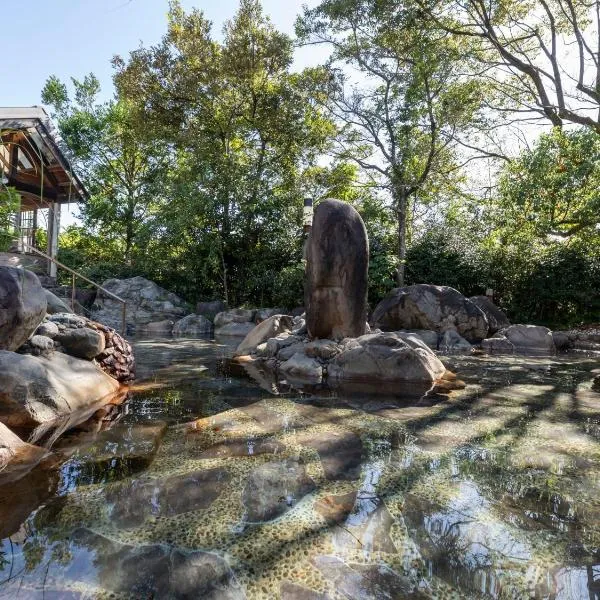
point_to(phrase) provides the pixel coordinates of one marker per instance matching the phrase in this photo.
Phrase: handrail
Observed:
(76, 274)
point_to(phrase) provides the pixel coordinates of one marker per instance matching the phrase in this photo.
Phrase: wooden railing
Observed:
(75, 274)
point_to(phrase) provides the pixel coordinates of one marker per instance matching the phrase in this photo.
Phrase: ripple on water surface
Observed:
(206, 485)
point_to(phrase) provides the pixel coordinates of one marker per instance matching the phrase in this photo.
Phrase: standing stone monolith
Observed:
(337, 254)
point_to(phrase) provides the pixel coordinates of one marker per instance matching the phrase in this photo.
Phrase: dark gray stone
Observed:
(22, 306)
(82, 343)
(433, 307)
(210, 309)
(193, 325)
(336, 272)
(55, 304)
(496, 318)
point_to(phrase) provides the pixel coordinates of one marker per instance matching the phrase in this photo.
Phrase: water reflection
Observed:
(489, 492)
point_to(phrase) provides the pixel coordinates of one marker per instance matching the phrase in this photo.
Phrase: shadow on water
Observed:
(211, 483)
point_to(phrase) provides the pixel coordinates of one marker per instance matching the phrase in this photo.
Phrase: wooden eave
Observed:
(48, 176)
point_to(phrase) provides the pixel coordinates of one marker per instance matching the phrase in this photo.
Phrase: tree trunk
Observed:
(402, 217)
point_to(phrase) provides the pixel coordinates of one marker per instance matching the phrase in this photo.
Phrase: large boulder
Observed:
(15, 454)
(386, 357)
(269, 328)
(433, 307)
(210, 309)
(337, 254)
(146, 303)
(496, 318)
(235, 315)
(192, 325)
(529, 339)
(42, 389)
(235, 322)
(55, 304)
(22, 306)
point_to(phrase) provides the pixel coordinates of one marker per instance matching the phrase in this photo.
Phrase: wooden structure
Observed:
(33, 163)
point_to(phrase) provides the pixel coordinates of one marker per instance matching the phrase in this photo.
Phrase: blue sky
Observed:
(73, 37)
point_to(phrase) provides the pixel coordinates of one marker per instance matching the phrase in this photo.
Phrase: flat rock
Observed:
(335, 509)
(274, 488)
(288, 351)
(240, 448)
(266, 329)
(365, 582)
(340, 453)
(42, 389)
(497, 345)
(235, 315)
(146, 498)
(293, 591)
(22, 306)
(367, 527)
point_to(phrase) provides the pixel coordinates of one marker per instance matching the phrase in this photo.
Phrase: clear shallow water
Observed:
(206, 485)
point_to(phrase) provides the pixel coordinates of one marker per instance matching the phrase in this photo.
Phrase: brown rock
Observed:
(336, 272)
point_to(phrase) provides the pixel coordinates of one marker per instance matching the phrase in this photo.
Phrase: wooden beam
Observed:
(32, 189)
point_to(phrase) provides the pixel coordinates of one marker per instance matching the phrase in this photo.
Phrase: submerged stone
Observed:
(147, 571)
(293, 591)
(274, 488)
(143, 499)
(112, 454)
(340, 453)
(366, 582)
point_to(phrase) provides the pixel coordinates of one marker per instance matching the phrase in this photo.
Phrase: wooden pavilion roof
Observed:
(31, 159)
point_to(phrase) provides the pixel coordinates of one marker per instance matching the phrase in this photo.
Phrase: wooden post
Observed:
(53, 229)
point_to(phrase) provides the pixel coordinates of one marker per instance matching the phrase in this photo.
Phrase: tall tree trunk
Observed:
(402, 217)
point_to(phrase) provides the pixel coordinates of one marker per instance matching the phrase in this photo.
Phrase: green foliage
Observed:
(554, 188)
(554, 284)
(10, 202)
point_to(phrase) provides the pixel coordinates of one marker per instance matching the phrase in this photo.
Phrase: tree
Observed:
(10, 202)
(245, 130)
(399, 96)
(524, 53)
(553, 189)
(121, 167)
